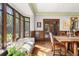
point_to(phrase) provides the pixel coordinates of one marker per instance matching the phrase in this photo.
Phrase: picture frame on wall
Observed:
(38, 24)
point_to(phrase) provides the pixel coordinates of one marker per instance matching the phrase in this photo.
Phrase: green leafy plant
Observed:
(15, 52)
(19, 53)
(11, 51)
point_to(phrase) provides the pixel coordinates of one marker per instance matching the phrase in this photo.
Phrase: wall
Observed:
(63, 20)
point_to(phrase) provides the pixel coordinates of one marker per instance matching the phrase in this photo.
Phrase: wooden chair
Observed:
(56, 46)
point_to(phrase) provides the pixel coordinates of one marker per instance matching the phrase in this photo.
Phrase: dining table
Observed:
(66, 40)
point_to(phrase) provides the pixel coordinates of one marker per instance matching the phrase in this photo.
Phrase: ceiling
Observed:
(47, 8)
(23, 8)
(44, 8)
(67, 7)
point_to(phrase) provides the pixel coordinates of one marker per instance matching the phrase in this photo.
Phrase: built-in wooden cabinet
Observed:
(51, 25)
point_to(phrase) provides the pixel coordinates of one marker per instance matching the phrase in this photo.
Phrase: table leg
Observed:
(66, 45)
(75, 49)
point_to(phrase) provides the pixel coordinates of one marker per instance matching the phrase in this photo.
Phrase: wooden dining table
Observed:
(66, 40)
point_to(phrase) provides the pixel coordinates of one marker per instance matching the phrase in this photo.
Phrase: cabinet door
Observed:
(54, 26)
(46, 28)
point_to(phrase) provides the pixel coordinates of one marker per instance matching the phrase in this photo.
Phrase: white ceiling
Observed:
(23, 8)
(57, 7)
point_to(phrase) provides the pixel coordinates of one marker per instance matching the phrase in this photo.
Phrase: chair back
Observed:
(51, 37)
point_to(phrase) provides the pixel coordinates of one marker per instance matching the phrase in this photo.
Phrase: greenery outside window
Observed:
(0, 25)
(22, 28)
(9, 24)
(27, 27)
(17, 26)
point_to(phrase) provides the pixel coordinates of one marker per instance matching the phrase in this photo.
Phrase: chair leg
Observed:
(53, 50)
(65, 52)
(60, 51)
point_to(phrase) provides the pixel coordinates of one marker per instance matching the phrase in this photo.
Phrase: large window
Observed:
(27, 27)
(0, 24)
(22, 19)
(9, 23)
(14, 25)
(17, 25)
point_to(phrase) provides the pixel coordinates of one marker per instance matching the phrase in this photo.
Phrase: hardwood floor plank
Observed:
(43, 48)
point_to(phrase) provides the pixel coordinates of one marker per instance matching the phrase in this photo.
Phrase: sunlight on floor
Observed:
(43, 49)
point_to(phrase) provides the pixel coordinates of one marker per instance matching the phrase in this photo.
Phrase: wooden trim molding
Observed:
(32, 33)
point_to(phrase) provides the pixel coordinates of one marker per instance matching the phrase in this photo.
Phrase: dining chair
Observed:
(56, 46)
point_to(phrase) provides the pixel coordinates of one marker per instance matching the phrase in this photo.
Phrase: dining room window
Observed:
(22, 28)
(27, 27)
(0, 25)
(17, 25)
(8, 17)
(9, 23)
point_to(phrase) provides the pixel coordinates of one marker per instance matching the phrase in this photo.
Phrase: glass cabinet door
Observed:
(55, 28)
(46, 29)
(51, 25)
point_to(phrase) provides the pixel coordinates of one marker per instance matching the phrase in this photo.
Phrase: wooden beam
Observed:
(19, 26)
(14, 26)
(23, 26)
(4, 34)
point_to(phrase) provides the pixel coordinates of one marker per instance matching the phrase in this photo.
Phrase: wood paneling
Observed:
(41, 35)
(63, 33)
(32, 33)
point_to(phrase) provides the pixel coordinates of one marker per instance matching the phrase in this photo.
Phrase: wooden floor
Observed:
(43, 48)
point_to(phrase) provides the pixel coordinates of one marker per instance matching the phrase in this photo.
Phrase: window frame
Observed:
(24, 26)
(4, 24)
(12, 17)
(22, 20)
(19, 23)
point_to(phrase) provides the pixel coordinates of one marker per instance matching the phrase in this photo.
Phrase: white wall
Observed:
(31, 23)
(39, 18)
